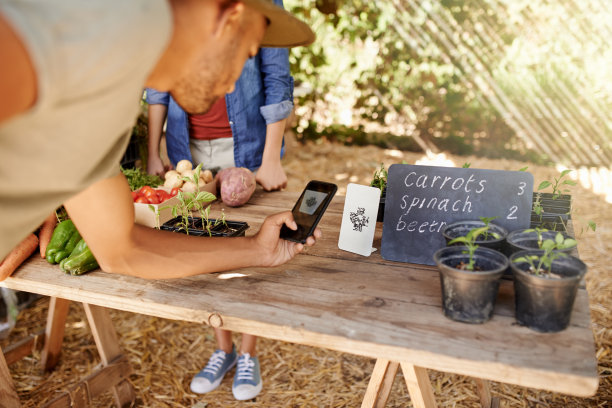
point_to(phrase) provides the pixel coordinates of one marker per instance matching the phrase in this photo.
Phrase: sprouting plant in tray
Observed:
(541, 264)
(469, 240)
(380, 178)
(558, 184)
(537, 206)
(190, 202)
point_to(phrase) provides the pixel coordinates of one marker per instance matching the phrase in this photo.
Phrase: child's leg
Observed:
(221, 361)
(224, 339)
(247, 380)
(247, 345)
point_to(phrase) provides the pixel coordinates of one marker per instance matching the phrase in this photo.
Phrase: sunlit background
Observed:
(517, 79)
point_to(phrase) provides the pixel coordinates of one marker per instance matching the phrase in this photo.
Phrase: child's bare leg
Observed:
(224, 339)
(247, 345)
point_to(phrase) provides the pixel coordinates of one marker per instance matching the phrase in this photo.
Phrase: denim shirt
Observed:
(263, 95)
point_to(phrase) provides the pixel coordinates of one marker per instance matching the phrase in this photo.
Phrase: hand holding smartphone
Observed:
(309, 209)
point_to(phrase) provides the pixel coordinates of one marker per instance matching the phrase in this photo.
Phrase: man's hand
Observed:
(276, 251)
(271, 176)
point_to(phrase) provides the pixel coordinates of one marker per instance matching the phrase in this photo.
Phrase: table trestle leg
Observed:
(8, 394)
(54, 332)
(107, 343)
(419, 386)
(380, 384)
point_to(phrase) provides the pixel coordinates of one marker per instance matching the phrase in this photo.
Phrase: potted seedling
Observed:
(380, 180)
(534, 238)
(556, 204)
(545, 285)
(493, 237)
(469, 278)
(194, 202)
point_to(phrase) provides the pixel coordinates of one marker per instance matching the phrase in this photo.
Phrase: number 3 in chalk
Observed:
(522, 185)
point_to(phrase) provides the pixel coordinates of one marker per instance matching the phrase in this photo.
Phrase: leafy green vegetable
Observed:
(380, 178)
(137, 178)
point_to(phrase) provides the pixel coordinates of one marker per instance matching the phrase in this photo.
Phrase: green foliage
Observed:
(557, 184)
(542, 263)
(487, 223)
(138, 178)
(189, 202)
(366, 73)
(380, 178)
(477, 77)
(469, 240)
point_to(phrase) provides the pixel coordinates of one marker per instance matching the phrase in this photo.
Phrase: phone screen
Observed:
(309, 209)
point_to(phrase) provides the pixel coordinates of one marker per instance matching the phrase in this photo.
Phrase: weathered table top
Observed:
(342, 301)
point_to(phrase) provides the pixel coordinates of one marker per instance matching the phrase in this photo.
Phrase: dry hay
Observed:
(166, 354)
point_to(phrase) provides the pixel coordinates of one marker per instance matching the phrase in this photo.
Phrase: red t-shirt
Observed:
(213, 124)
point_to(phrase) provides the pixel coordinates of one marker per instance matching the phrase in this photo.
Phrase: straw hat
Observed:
(284, 29)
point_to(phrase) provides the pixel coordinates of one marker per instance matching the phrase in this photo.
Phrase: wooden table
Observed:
(342, 301)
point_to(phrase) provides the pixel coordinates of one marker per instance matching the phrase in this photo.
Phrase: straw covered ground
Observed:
(165, 354)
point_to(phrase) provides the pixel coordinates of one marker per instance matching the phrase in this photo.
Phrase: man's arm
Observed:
(104, 215)
(271, 175)
(17, 76)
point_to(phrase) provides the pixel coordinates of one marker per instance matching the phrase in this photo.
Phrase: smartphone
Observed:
(309, 209)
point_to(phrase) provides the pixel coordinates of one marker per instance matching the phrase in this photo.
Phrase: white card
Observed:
(359, 219)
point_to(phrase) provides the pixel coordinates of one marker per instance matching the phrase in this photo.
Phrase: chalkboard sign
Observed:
(422, 200)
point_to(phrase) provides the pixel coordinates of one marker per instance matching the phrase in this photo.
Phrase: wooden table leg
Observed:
(380, 384)
(419, 386)
(484, 392)
(8, 394)
(108, 346)
(54, 332)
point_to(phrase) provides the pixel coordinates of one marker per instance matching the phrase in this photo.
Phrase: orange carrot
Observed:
(19, 254)
(46, 232)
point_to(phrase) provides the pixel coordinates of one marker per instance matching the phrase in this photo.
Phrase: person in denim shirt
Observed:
(257, 110)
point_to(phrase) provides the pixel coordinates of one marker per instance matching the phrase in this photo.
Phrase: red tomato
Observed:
(153, 198)
(141, 199)
(174, 191)
(147, 190)
(162, 195)
(134, 196)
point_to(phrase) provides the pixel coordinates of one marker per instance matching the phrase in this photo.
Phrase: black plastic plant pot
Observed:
(469, 296)
(561, 198)
(229, 229)
(381, 206)
(525, 240)
(562, 204)
(542, 303)
(553, 222)
(461, 229)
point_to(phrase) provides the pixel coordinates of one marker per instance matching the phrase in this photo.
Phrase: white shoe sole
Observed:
(246, 392)
(201, 385)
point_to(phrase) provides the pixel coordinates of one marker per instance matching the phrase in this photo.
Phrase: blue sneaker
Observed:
(247, 381)
(211, 376)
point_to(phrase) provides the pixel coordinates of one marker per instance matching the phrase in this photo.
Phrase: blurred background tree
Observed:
(498, 78)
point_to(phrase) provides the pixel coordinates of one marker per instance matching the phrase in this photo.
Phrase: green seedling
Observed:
(189, 202)
(466, 165)
(557, 185)
(541, 264)
(380, 178)
(487, 222)
(537, 206)
(469, 240)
